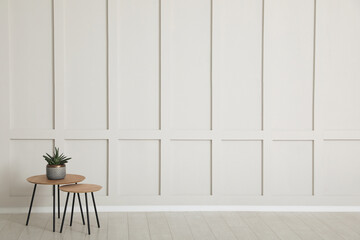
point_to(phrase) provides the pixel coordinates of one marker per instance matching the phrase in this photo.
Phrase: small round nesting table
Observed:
(43, 180)
(77, 189)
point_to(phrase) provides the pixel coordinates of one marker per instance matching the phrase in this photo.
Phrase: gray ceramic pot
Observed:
(55, 172)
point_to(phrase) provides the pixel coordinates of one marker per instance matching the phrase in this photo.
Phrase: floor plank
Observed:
(339, 227)
(96, 232)
(3, 220)
(319, 227)
(218, 226)
(158, 226)
(298, 226)
(13, 227)
(349, 220)
(138, 226)
(118, 226)
(36, 228)
(238, 226)
(199, 227)
(282, 230)
(257, 225)
(179, 227)
(77, 231)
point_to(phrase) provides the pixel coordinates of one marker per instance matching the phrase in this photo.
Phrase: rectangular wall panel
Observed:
(139, 162)
(337, 63)
(90, 159)
(288, 63)
(189, 168)
(237, 51)
(138, 77)
(289, 170)
(85, 64)
(185, 62)
(31, 64)
(337, 172)
(239, 170)
(25, 161)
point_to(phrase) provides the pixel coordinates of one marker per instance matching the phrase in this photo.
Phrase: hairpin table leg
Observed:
(97, 218)
(53, 208)
(81, 210)
(72, 209)
(87, 213)
(58, 192)
(31, 203)
(62, 223)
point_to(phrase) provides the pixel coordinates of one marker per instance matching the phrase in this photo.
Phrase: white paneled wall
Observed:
(185, 102)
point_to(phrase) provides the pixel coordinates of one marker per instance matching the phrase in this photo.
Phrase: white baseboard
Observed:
(188, 208)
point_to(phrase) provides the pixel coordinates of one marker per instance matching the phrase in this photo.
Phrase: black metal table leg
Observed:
(58, 192)
(31, 203)
(97, 218)
(53, 208)
(87, 213)
(62, 223)
(72, 210)
(81, 210)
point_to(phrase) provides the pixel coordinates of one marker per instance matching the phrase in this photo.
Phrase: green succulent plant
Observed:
(56, 159)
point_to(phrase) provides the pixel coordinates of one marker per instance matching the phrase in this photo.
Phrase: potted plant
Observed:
(56, 168)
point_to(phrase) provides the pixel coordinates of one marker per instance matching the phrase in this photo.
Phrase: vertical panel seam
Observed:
(159, 142)
(53, 64)
(211, 65)
(262, 64)
(11, 125)
(313, 163)
(313, 99)
(262, 168)
(108, 99)
(107, 166)
(9, 98)
(211, 97)
(160, 92)
(262, 94)
(211, 167)
(160, 102)
(107, 66)
(313, 76)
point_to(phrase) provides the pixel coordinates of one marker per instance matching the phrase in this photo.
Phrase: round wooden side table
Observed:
(81, 188)
(43, 180)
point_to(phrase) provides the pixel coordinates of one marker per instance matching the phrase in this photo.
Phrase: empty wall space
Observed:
(183, 102)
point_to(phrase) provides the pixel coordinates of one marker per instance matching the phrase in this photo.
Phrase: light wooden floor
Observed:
(189, 225)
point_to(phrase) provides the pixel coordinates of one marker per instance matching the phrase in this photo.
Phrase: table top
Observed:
(69, 178)
(80, 188)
